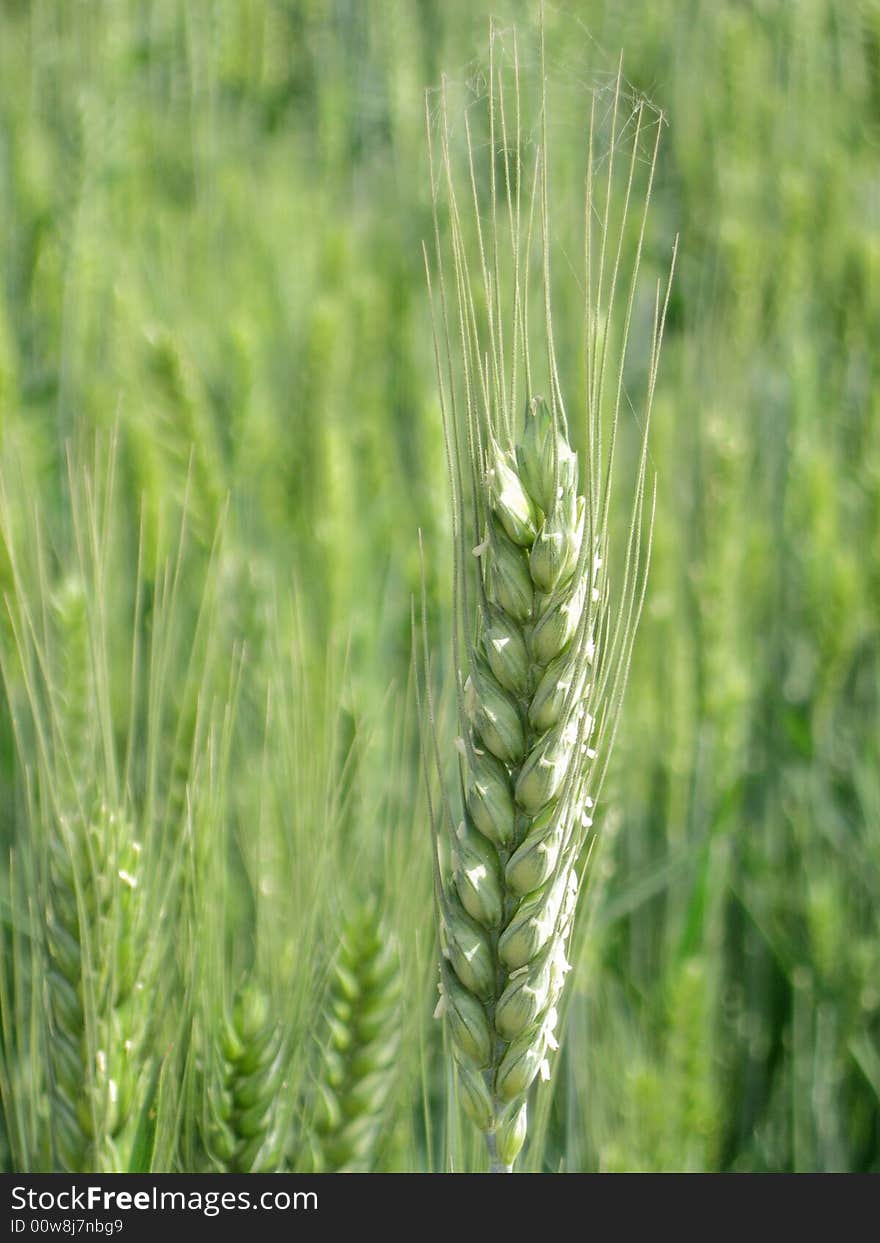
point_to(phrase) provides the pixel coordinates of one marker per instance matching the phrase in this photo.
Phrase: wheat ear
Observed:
(95, 992)
(358, 1074)
(251, 1137)
(507, 913)
(94, 933)
(542, 648)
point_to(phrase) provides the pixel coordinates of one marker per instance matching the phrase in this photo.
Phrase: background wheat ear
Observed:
(99, 1047)
(542, 643)
(250, 1137)
(239, 1050)
(93, 962)
(358, 1070)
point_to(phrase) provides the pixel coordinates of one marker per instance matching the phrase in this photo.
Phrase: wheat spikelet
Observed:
(542, 648)
(358, 1074)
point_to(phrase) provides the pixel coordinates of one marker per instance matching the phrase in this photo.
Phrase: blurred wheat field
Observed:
(220, 437)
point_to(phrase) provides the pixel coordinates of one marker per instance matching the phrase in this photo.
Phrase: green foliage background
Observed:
(211, 218)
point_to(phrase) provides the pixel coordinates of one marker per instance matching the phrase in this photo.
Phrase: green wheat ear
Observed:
(98, 968)
(358, 1073)
(239, 1050)
(542, 647)
(251, 1138)
(102, 876)
(97, 989)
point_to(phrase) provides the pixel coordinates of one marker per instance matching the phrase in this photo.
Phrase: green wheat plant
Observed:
(365, 1109)
(543, 636)
(361, 1049)
(237, 1046)
(93, 964)
(245, 1133)
(212, 220)
(98, 855)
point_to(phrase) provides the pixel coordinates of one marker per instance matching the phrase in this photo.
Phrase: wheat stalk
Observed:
(542, 648)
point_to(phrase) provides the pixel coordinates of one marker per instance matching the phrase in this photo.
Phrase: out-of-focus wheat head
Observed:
(360, 1059)
(542, 640)
(251, 1139)
(93, 970)
(93, 929)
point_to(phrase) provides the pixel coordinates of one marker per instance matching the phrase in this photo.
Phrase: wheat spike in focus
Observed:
(542, 644)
